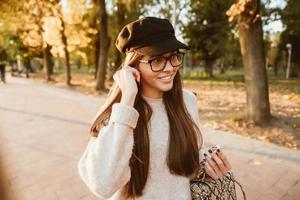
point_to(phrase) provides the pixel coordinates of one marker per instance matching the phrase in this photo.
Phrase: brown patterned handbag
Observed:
(203, 187)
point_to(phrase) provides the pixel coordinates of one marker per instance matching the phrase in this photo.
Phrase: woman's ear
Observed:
(137, 67)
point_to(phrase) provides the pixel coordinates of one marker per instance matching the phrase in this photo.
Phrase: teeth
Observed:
(166, 78)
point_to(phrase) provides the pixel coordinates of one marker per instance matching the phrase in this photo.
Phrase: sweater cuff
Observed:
(124, 114)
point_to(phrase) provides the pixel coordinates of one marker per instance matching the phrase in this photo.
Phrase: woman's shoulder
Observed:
(189, 96)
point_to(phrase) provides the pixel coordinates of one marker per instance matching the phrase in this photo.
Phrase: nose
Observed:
(168, 66)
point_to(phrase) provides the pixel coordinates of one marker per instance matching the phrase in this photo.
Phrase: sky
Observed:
(272, 28)
(275, 26)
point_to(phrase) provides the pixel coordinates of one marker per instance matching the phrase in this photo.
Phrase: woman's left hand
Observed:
(216, 164)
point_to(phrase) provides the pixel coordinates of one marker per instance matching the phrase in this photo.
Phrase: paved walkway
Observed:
(44, 131)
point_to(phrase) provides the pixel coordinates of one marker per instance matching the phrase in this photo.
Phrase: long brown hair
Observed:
(183, 154)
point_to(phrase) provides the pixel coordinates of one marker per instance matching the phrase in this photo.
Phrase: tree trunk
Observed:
(104, 45)
(251, 43)
(96, 41)
(66, 58)
(51, 63)
(121, 22)
(222, 68)
(46, 62)
(295, 69)
(194, 62)
(209, 68)
(45, 50)
(97, 54)
(277, 61)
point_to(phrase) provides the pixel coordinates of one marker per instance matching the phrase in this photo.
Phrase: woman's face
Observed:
(155, 83)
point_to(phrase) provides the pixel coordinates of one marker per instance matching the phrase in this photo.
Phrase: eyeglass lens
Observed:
(159, 63)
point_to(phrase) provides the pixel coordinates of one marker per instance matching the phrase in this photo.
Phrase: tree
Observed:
(104, 46)
(77, 18)
(30, 28)
(46, 27)
(33, 30)
(291, 34)
(95, 24)
(37, 22)
(125, 11)
(252, 50)
(64, 42)
(208, 31)
(53, 22)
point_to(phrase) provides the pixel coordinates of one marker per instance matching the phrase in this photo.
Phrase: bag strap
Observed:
(244, 193)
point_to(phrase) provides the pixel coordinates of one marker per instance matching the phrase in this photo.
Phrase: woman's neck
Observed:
(152, 94)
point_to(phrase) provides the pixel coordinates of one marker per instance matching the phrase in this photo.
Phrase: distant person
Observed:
(2, 64)
(14, 68)
(145, 141)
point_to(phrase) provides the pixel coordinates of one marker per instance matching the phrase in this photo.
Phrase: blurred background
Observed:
(244, 64)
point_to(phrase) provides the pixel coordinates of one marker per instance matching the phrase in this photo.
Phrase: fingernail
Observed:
(205, 154)
(210, 151)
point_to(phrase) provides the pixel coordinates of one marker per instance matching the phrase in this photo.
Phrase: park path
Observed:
(44, 131)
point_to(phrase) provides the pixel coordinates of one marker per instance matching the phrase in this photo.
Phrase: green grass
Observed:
(233, 78)
(236, 78)
(75, 70)
(232, 75)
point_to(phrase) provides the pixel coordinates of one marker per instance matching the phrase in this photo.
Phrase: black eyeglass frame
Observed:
(166, 60)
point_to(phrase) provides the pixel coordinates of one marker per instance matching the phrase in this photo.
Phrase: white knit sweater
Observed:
(104, 165)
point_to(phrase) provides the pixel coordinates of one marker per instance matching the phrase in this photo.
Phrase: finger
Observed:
(214, 166)
(128, 58)
(210, 171)
(135, 72)
(223, 157)
(219, 163)
(138, 75)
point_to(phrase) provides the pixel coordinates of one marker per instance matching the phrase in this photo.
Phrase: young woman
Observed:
(145, 141)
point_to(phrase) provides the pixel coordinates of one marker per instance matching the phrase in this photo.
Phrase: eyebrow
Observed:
(152, 57)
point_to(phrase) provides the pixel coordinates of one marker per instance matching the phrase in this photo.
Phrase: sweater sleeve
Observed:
(104, 165)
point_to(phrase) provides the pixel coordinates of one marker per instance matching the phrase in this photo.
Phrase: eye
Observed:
(158, 60)
(176, 57)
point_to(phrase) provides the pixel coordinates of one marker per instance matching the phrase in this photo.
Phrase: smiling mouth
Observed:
(166, 77)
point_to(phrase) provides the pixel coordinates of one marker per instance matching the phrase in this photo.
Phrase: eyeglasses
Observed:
(158, 64)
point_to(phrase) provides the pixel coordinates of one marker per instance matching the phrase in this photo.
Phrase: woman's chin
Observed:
(166, 87)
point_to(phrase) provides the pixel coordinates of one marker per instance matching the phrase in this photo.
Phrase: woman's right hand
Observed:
(126, 79)
(216, 164)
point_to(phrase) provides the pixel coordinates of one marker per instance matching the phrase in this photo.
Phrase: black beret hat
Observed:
(148, 36)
